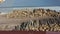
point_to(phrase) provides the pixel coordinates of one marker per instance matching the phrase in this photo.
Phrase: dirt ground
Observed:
(4, 20)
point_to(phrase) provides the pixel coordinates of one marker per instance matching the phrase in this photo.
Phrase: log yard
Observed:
(26, 19)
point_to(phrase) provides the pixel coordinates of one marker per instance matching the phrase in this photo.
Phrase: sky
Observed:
(37, 3)
(13, 3)
(9, 4)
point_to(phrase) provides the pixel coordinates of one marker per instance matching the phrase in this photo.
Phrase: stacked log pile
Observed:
(34, 13)
(46, 24)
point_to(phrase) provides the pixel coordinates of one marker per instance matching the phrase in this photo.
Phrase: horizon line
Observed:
(27, 6)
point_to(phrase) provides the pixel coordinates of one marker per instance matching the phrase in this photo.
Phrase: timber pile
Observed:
(35, 13)
(46, 24)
